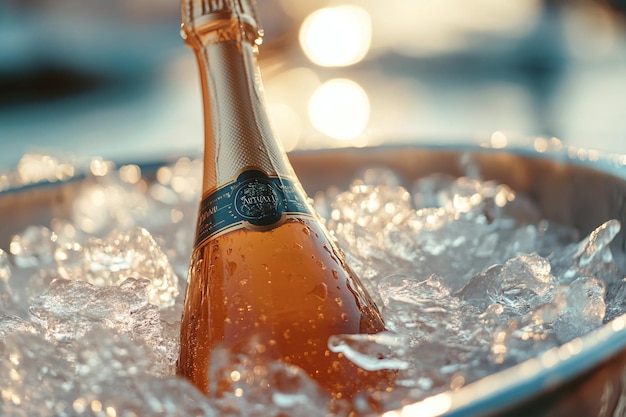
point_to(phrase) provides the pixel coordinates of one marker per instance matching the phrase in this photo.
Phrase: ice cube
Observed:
(37, 380)
(581, 308)
(117, 370)
(110, 375)
(120, 255)
(34, 247)
(380, 229)
(184, 177)
(474, 198)
(463, 195)
(378, 176)
(169, 397)
(105, 358)
(24, 285)
(458, 247)
(68, 310)
(429, 191)
(521, 338)
(370, 270)
(425, 310)
(553, 237)
(13, 324)
(369, 207)
(520, 285)
(591, 257)
(246, 380)
(576, 309)
(106, 203)
(6, 292)
(615, 299)
(42, 167)
(66, 232)
(453, 317)
(372, 352)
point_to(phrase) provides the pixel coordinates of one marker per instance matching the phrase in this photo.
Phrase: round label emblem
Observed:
(254, 200)
(258, 201)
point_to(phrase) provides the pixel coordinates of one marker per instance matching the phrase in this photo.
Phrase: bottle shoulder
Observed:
(295, 239)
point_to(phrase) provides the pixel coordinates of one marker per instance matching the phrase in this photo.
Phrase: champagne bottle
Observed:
(263, 264)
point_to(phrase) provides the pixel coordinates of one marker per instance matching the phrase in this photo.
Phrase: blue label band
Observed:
(254, 201)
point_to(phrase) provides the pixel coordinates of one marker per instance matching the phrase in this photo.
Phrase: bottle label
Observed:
(254, 200)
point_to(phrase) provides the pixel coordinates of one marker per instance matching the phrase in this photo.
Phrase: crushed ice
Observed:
(468, 276)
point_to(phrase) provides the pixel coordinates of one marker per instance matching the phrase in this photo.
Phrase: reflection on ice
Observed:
(468, 276)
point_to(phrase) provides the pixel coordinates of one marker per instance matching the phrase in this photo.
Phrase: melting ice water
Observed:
(468, 276)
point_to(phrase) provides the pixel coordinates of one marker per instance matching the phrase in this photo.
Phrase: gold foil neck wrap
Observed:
(212, 21)
(238, 132)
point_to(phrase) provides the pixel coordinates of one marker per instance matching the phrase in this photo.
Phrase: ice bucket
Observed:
(584, 377)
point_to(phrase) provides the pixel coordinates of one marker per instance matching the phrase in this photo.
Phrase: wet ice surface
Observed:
(469, 278)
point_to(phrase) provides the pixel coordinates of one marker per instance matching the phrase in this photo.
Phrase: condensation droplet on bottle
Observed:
(332, 255)
(335, 274)
(344, 317)
(306, 231)
(231, 267)
(339, 301)
(320, 291)
(297, 246)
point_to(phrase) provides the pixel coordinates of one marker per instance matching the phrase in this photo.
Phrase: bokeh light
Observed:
(336, 36)
(340, 108)
(498, 140)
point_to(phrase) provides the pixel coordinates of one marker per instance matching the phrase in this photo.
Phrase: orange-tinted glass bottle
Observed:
(263, 264)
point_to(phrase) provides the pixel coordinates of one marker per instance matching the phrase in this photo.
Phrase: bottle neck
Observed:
(238, 132)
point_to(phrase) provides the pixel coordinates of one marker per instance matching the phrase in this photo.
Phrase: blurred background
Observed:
(113, 77)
